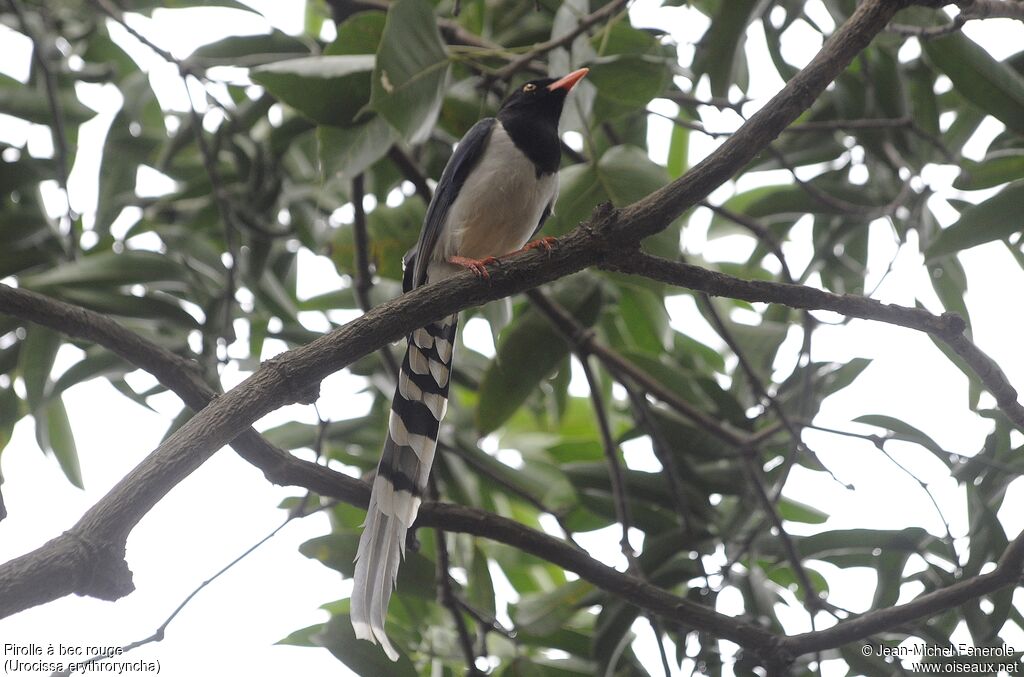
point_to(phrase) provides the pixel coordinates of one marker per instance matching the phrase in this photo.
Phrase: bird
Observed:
(495, 193)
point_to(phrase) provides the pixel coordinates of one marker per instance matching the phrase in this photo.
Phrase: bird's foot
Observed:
(547, 243)
(478, 266)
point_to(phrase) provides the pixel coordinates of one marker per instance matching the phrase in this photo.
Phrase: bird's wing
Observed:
(549, 209)
(466, 156)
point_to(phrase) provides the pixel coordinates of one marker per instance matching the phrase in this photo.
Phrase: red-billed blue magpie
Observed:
(495, 193)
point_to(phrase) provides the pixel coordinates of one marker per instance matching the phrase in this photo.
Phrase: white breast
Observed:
(499, 205)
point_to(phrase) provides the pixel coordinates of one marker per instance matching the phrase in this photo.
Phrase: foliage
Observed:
(260, 173)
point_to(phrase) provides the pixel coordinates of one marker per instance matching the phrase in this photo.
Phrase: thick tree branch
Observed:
(1007, 572)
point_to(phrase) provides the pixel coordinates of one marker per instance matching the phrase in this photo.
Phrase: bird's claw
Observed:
(547, 243)
(478, 266)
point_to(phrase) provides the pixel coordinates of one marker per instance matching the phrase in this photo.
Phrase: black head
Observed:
(541, 98)
(530, 115)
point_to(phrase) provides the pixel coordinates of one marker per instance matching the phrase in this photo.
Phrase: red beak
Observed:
(569, 81)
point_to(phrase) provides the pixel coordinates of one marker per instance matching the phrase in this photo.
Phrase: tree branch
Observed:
(947, 327)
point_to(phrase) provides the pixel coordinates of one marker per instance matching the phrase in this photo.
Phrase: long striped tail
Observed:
(420, 401)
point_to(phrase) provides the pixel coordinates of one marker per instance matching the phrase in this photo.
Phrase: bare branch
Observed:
(947, 327)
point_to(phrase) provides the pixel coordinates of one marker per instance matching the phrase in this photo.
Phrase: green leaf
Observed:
(906, 432)
(359, 34)
(303, 636)
(678, 150)
(548, 611)
(480, 587)
(349, 151)
(38, 352)
(889, 570)
(795, 511)
(529, 349)
(995, 218)
(112, 302)
(643, 315)
(996, 169)
(626, 83)
(949, 280)
(412, 65)
(785, 576)
(330, 90)
(97, 362)
(28, 103)
(391, 230)
(108, 268)
(249, 50)
(53, 432)
(720, 52)
(992, 86)
(361, 656)
(11, 411)
(124, 151)
(143, 6)
(338, 551)
(623, 175)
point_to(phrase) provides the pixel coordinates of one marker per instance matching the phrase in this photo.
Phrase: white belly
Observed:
(499, 205)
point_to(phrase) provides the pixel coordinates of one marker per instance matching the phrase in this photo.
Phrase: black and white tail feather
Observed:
(419, 404)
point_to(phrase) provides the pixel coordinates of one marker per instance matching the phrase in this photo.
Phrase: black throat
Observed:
(536, 136)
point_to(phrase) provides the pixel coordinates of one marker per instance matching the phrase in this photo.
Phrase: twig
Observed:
(363, 281)
(411, 172)
(863, 123)
(158, 634)
(510, 487)
(58, 132)
(771, 510)
(224, 208)
(1007, 571)
(947, 327)
(446, 596)
(585, 23)
(688, 124)
(110, 8)
(661, 452)
(488, 622)
(931, 497)
(754, 473)
(719, 102)
(876, 439)
(581, 339)
(929, 32)
(363, 278)
(867, 212)
(758, 230)
(611, 455)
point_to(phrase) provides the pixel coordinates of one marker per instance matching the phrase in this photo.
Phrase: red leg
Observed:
(547, 243)
(478, 266)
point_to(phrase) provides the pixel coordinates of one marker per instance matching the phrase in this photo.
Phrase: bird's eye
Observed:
(529, 87)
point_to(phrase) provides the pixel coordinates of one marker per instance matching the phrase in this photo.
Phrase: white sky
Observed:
(226, 506)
